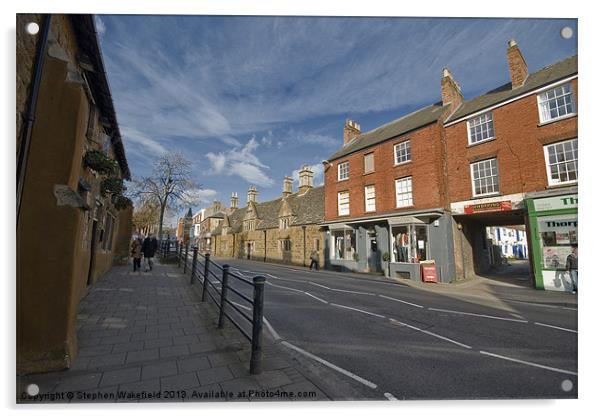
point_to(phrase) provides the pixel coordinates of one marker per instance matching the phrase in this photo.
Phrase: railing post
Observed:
(256, 341)
(195, 253)
(176, 249)
(205, 277)
(180, 255)
(186, 257)
(224, 292)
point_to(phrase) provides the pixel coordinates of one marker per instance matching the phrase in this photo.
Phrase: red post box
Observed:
(429, 272)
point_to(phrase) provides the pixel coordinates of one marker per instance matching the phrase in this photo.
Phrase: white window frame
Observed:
(481, 123)
(472, 179)
(342, 170)
(399, 195)
(370, 202)
(373, 166)
(407, 146)
(543, 117)
(552, 182)
(340, 203)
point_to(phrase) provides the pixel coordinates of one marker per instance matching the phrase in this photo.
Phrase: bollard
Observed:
(186, 258)
(256, 341)
(205, 277)
(224, 292)
(195, 253)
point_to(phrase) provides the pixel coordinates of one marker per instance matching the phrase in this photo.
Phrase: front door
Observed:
(373, 253)
(248, 250)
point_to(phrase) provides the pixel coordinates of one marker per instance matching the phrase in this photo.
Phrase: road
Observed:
(397, 342)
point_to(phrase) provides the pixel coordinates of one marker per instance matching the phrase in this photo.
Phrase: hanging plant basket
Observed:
(112, 186)
(99, 162)
(121, 202)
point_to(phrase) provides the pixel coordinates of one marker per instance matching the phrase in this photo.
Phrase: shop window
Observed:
(403, 192)
(561, 162)
(558, 236)
(480, 128)
(343, 244)
(343, 201)
(403, 152)
(485, 178)
(370, 196)
(369, 163)
(410, 243)
(556, 103)
(344, 171)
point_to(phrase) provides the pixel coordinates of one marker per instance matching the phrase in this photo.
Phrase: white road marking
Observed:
(430, 333)
(528, 363)
(481, 315)
(319, 285)
(329, 364)
(402, 301)
(538, 304)
(353, 291)
(555, 327)
(242, 306)
(315, 297)
(284, 287)
(390, 397)
(358, 310)
(271, 329)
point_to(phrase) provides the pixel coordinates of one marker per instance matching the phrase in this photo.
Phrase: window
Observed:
(317, 244)
(343, 203)
(249, 225)
(558, 235)
(561, 162)
(369, 163)
(284, 223)
(556, 103)
(481, 128)
(343, 244)
(403, 192)
(344, 171)
(485, 179)
(285, 245)
(409, 243)
(370, 196)
(403, 152)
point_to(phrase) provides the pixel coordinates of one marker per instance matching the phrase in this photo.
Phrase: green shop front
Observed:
(553, 234)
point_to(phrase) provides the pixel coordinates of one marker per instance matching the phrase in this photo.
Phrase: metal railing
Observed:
(169, 250)
(216, 282)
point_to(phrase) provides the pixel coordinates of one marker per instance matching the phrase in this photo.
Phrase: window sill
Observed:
(561, 185)
(485, 196)
(481, 142)
(342, 180)
(369, 172)
(402, 163)
(565, 117)
(405, 207)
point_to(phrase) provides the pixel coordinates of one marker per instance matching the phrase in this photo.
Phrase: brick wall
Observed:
(518, 147)
(426, 169)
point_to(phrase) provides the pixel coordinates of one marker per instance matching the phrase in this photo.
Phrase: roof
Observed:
(307, 208)
(421, 117)
(546, 75)
(87, 41)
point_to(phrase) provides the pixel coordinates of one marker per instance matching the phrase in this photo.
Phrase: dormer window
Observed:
(285, 223)
(248, 225)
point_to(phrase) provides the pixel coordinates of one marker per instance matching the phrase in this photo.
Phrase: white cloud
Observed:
(199, 197)
(100, 26)
(140, 142)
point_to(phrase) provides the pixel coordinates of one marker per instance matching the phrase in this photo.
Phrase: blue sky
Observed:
(248, 100)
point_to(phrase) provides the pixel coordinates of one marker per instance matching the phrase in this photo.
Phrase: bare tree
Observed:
(170, 185)
(146, 217)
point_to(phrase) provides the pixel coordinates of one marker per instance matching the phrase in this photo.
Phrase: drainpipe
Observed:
(265, 245)
(31, 111)
(303, 227)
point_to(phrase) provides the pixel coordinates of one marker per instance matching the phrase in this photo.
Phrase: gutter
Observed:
(31, 111)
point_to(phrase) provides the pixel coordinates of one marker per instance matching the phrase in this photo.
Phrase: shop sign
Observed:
(504, 205)
(556, 202)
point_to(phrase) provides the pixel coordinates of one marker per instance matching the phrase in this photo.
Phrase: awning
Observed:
(339, 226)
(403, 220)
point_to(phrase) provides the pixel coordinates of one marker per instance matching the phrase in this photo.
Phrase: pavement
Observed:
(146, 337)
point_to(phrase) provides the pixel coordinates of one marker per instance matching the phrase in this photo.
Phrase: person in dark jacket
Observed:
(149, 247)
(136, 250)
(571, 266)
(314, 260)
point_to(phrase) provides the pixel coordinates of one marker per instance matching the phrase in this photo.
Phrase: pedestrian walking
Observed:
(314, 260)
(149, 247)
(136, 251)
(571, 266)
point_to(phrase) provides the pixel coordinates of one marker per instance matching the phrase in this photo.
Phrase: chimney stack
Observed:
(252, 195)
(517, 65)
(306, 179)
(234, 201)
(288, 186)
(450, 91)
(351, 131)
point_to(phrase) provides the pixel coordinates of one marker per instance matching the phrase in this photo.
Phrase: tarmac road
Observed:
(394, 341)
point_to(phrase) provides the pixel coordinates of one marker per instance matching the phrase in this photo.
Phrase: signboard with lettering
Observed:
(429, 273)
(556, 202)
(504, 205)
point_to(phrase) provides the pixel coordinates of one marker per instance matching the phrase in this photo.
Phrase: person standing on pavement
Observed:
(571, 266)
(136, 251)
(149, 247)
(314, 260)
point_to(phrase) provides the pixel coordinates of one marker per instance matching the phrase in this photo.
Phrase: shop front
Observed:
(553, 227)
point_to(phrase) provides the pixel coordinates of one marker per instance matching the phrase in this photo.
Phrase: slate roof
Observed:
(307, 208)
(546, 75)
(421, 117)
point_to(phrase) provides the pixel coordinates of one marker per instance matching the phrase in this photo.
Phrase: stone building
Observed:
(72, 221)
(283, 230)
(213, 216)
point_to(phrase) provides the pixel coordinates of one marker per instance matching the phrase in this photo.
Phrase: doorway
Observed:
(92, 252)
(373, 252)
